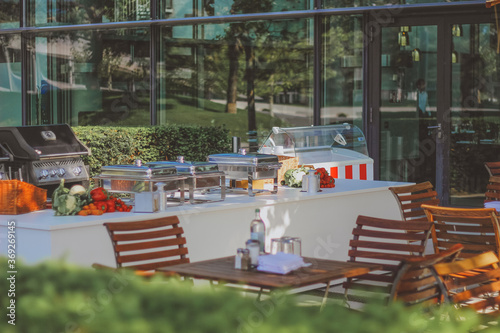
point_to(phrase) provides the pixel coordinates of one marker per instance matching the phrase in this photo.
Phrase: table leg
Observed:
(325, 296)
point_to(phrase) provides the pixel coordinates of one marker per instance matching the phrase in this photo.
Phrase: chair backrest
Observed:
(493, 189)
(416, 281)
(386, 242)
(411, 197)
(148, 245)
(476, 229)
(493, 168)
(478, 291)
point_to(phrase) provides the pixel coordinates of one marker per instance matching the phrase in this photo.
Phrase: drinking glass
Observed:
(287, 245)
(276, 245)
(297, 246)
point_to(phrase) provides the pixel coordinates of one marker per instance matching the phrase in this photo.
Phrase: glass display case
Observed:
(340, 149)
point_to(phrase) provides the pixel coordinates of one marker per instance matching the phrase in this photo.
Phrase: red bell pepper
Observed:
(110, 203)
(101, 205)
(99, 194)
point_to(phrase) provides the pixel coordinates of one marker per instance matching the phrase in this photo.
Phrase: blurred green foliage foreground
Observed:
(55, 298)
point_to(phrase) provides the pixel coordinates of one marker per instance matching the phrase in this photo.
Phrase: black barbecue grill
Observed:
(5, 156)
(43, 155)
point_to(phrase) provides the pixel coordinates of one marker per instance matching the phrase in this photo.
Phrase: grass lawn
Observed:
(183, 110)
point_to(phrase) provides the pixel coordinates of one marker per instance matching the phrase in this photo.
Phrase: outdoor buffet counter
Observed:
(323, 220)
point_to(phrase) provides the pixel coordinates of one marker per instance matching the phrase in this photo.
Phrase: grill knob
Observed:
(77, 170)
(43, 174)
(53, 173)
(61, 172)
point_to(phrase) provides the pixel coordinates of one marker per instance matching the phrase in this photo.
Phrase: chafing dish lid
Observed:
(187, 167)
(253, 159)
(138, 171)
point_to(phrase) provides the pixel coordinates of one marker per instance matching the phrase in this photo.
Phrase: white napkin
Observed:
(493, 204)
(280, 263)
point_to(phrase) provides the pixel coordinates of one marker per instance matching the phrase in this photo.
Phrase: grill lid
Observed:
(37, 142)
(5, 156)
(245, 159)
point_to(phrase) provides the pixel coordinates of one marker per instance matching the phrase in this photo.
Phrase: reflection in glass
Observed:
(408, 105)
(248, 76)
(183, 8)
(475, 113)
(342, 70)
(10, 80)
(68, 12)
(362, 3)
(91, 78)
(9, 14)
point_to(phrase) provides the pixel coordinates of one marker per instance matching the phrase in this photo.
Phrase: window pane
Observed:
(342, 70)
(68, 12)
(408, 97)
(91, 78)
(9, 14)
(363, 3)
(183, 8)
(248, 76)
(10, 80)
(475, 112)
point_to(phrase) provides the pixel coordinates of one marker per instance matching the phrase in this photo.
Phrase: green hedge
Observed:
(55, 298)
(123, 145)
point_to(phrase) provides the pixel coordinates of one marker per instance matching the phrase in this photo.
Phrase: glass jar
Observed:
(253, 247)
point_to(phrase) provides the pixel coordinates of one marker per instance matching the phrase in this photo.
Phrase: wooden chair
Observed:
(386, 242)
(416, 281)
(411, 197)
(479, 291)
(477, 229)
(147, 245)
(493, 189)
(493, 168)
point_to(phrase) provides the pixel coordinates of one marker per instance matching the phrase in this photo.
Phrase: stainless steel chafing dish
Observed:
(141, 178)
(248, 166)
(201, 176)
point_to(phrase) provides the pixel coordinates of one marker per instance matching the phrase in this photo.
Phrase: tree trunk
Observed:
(250, 78)
(271, 98)
(232, 82)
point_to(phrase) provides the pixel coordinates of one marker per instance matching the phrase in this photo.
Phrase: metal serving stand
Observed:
(202, 177)
(248, 166)
(340, 149)
(144, 182)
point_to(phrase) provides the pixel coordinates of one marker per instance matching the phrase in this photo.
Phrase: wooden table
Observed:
(320, 271)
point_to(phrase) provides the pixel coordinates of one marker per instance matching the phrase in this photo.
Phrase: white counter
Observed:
(323, 220)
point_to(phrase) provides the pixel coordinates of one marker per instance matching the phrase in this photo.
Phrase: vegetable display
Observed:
(69, 202)
(326, 181)
(293, 177)
(84, 202)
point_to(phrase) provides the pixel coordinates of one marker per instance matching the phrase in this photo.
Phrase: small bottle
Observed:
(258, 230)
(245, 260)
(238, 258)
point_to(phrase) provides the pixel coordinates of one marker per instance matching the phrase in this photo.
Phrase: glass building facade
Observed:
(421, 78)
